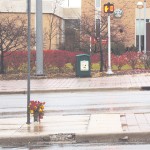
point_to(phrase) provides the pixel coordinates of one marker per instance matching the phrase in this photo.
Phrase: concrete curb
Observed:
(113, 137)
(77, 138)
(21, 141)
(50, 138)
(75, 90)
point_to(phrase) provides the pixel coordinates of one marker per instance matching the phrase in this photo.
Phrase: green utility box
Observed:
(83, 65)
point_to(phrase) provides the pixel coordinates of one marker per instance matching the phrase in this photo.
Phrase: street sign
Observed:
(108, 8)
(118, 13)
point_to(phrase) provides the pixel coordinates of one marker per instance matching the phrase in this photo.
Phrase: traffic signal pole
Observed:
(109, 71)
(109, 8)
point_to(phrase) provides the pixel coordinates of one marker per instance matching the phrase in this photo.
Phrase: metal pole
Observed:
(109, 71)
(144, 26)
(29, 51)
(68, 3)
(39, 38)
(90, 44)
(139, 30)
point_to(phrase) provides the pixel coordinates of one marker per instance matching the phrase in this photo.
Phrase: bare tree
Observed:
(54, 23)
(72, 34)
(13, 37)
(98, 29)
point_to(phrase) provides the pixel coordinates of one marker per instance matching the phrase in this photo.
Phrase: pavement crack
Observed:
(17, 130)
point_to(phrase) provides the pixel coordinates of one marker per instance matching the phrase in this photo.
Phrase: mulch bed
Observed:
(94, 74)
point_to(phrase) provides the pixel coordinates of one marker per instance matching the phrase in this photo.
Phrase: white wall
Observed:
(21, 6)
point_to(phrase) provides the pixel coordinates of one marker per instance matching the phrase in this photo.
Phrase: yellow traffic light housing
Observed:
(108, 8)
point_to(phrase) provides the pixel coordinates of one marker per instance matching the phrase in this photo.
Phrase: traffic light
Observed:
(108, 8)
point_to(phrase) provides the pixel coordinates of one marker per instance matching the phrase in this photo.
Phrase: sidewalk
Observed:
(77, 128)
(124, 82)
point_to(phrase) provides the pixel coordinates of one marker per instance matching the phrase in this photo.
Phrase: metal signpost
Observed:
(90, 45)
(29, 39)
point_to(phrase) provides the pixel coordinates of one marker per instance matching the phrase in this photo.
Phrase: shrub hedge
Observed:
(56, 60)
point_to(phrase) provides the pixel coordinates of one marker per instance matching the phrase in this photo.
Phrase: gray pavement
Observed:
(77, 84)
(106, 127)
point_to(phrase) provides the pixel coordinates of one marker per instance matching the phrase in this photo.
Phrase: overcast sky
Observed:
(72, 3)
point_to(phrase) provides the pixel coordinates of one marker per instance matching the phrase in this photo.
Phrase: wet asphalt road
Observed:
(80, 102)
(131, 146)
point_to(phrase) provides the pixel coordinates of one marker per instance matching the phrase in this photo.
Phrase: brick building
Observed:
(54, 18)
(129, 19)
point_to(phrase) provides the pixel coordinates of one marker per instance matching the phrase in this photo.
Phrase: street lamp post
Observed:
(140, 6)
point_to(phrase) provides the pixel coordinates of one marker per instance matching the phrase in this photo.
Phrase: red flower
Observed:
(37, 107)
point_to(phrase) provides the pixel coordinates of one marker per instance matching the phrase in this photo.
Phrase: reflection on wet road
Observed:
(80, 102)
(133, 146)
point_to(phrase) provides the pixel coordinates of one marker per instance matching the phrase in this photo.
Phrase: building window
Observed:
(142, 41)
(147, 20)
(141, 32)
(141, 29)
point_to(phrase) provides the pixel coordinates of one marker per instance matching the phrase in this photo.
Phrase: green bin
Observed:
(83, 65)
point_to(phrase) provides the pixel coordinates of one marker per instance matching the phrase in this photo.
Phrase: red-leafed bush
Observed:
(55, 60)
(58, 58)
(119, 61)
(48, 58)
(33, 59)
(133, 59)
(15, 60)
(95, 58)
(145, 59)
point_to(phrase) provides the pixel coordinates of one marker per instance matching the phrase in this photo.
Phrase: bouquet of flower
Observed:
(37, 109)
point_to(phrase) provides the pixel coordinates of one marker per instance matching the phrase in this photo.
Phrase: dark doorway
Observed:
(142, 42)
(148, 38)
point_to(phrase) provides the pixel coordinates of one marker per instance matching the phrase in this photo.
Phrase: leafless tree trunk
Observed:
(54, 24)
(13, 36)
